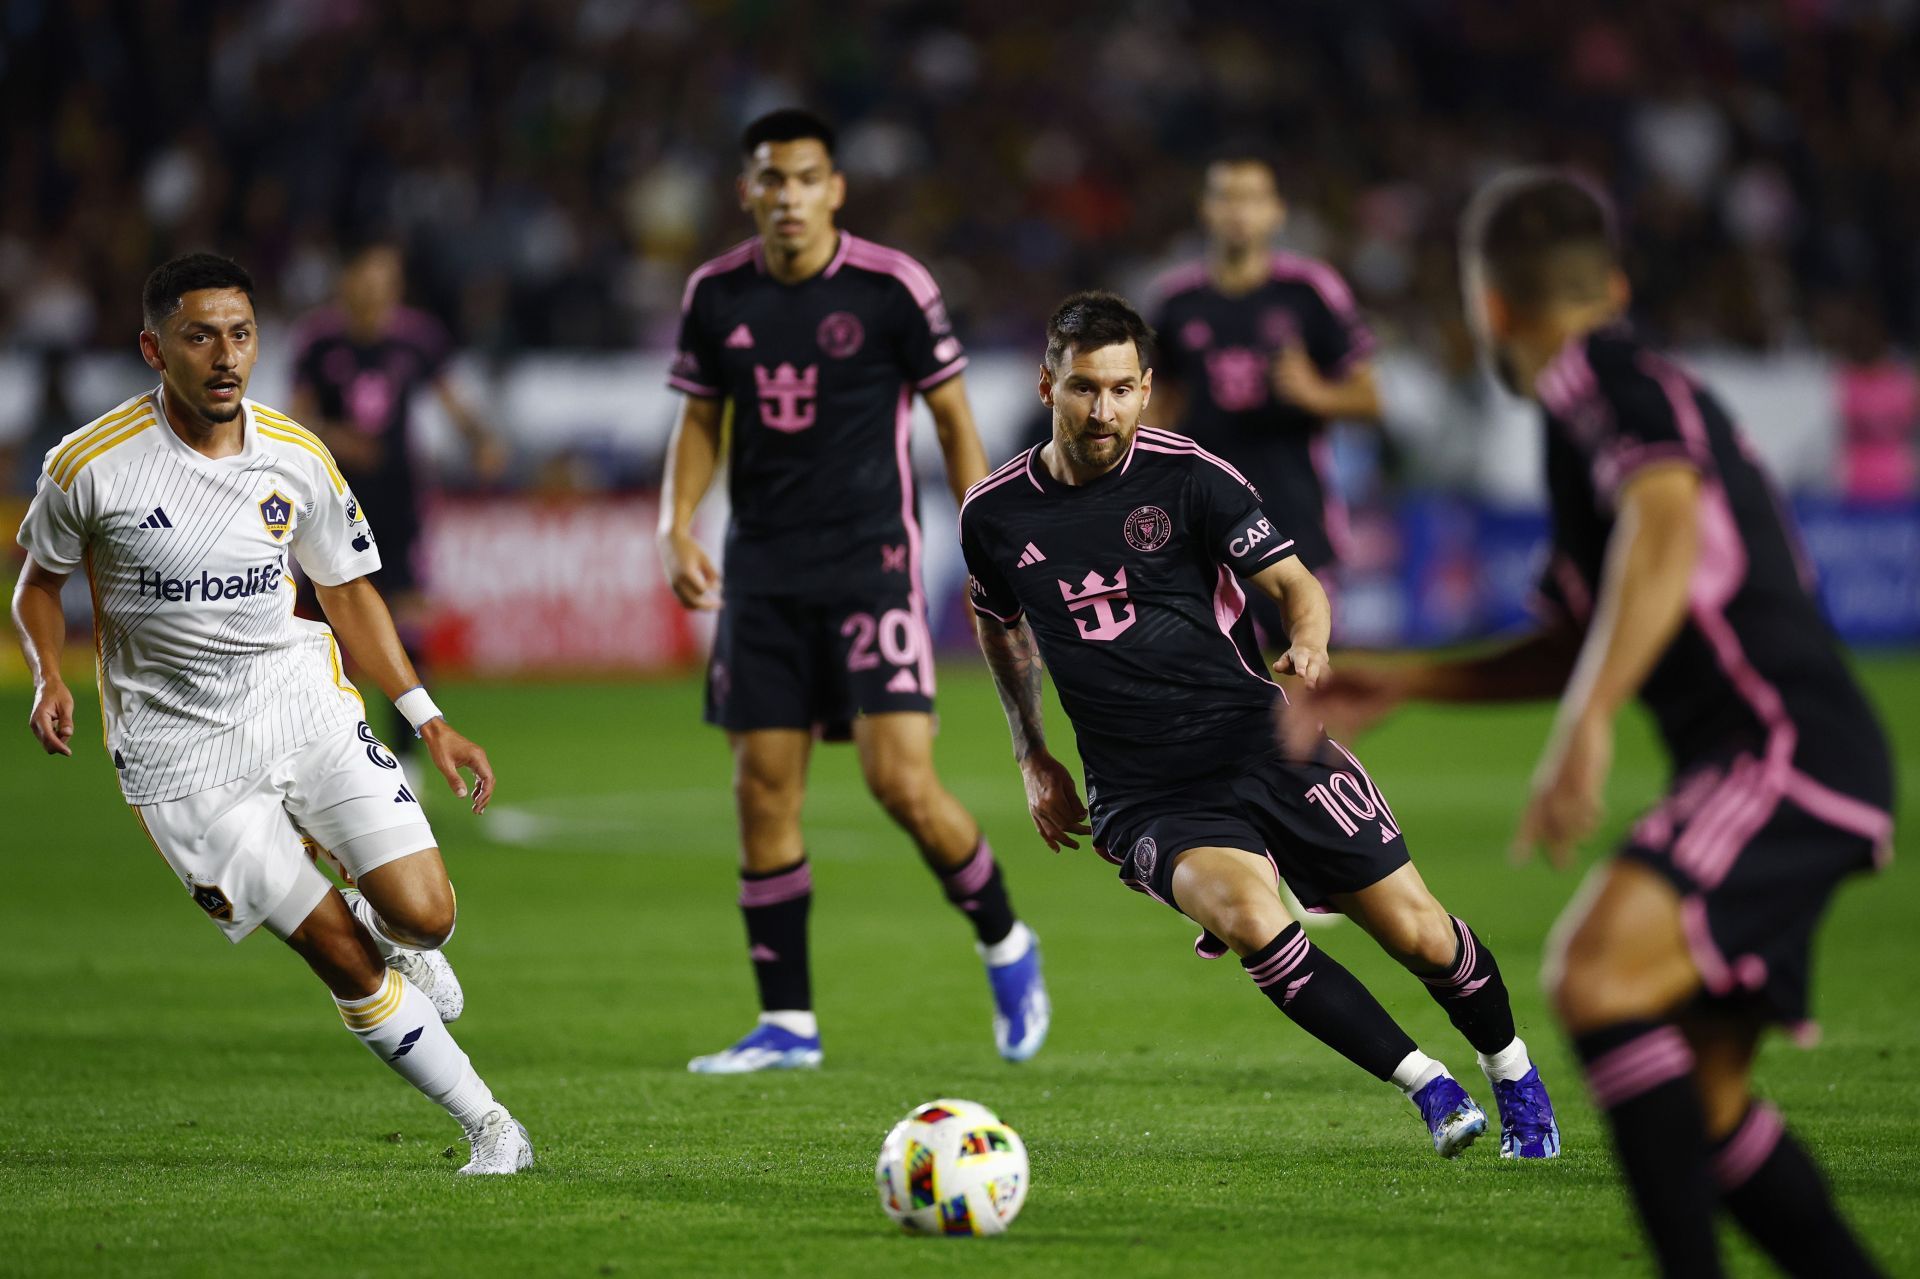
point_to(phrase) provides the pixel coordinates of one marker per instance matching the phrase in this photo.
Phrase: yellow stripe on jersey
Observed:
(384, 1005)
(306, 440)
(71, 470)
(339, 676)
(99, 430)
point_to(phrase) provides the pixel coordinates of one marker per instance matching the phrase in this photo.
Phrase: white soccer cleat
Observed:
(501, 1147)
(430, 972)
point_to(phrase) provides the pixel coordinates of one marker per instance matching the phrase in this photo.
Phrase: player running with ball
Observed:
(1675, 578)
(1117, 552)
(235, 735)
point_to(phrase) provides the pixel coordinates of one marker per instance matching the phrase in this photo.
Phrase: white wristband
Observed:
(418, 707)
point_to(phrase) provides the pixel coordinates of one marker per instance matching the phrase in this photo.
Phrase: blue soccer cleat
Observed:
(765, 1048)
(1528, 1129)
(1452, 1117)
(1021, 1012)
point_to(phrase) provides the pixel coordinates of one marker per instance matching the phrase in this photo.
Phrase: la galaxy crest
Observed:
(276, 512)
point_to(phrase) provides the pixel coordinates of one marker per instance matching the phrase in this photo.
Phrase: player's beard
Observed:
(1096, 454)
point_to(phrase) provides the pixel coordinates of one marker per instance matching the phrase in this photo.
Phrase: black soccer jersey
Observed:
(369, 387)
(1755, 669)
(821, 376)
(1220, 350)
(1130, 584)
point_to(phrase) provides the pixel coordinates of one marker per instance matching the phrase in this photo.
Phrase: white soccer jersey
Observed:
(205, 673)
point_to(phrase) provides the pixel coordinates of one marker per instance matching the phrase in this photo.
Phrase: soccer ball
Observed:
(952, 1168)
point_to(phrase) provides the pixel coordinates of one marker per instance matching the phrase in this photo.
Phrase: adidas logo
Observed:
(1030, 556)
(740, 339)
(158, 519)
(404, 796)
(407, 1041)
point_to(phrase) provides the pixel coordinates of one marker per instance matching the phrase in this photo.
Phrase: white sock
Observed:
(1509, 1064)
(794, 1021)
(370, 919)
(1415, 1071)
(1009, 949)
(399, 1026)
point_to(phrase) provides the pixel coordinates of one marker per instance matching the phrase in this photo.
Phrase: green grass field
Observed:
(176, 1106)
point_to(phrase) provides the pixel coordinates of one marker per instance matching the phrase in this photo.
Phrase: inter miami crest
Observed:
(276, 512)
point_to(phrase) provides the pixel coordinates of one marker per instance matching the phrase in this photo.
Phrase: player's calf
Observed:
(399, 1025)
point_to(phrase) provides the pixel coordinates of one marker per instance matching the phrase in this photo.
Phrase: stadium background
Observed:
(555, 170)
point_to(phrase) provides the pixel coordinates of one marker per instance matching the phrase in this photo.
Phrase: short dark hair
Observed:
(1094, 319)
(173, 279)
(788, 124)
(1543, 235)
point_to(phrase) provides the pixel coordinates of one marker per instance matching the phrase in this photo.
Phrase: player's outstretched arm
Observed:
(959, 438)
(1641, 605)
(43, 633)
(360, 618)
(1053, 800)
(693, 454)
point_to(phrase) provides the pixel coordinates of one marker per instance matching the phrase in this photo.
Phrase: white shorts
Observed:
(239, 848)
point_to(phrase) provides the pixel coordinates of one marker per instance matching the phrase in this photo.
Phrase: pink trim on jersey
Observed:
(1148, 437)
(1229, 601)
(1133, 443)
(995, 479)
(934, 379)
(1033, 458)
(1568, 378)
(839, 258)
(1179, 279)
(1751, 1145)
(1845, 812)
(917, 593)
(733, 258)
(1333, 291)
(869, 256)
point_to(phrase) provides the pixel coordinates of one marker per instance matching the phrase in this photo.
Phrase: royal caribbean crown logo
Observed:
(276, 512)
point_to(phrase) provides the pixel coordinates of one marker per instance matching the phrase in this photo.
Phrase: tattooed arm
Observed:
(1052, 799)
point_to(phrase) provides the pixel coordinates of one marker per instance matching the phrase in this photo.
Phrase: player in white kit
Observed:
(238, 740)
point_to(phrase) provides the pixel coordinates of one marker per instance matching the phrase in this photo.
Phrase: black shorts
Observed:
(1756, 851)
(786, 662)
(1323, 824)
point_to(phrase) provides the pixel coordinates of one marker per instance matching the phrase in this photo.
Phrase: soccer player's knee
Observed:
(426, 923)
(907, 792)
(764, 797)
(1422, 935)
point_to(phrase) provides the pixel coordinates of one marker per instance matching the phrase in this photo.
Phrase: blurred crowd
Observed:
(558, 165)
